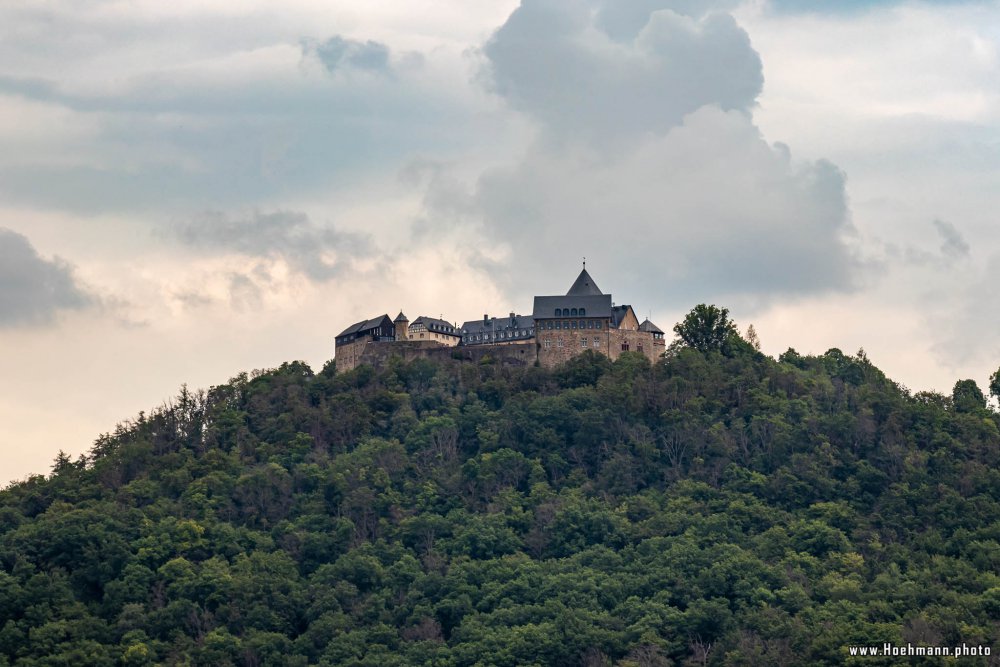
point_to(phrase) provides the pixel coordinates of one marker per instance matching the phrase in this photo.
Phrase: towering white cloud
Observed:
(647, 160)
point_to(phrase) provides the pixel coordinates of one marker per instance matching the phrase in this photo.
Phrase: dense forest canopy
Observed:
(717, 507)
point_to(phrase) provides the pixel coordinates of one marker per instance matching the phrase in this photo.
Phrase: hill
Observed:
(707, 509)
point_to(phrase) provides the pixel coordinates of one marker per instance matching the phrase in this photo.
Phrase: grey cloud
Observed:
(706, 211)
(953, 246)
(682, 200)
(319, 253)
(177, 139)
(338, 53)
(33, 290)
(551, 61)
(244, 293)
(623, 21)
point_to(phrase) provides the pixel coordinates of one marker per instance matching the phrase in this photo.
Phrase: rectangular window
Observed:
(548, 343)
(583, 342)
(597, 341)
(559, 343)
(574, 324)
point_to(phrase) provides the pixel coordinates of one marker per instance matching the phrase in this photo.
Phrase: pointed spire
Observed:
(584, 285)
(401, 317)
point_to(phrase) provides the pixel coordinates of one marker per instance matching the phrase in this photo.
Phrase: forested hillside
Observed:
(718, 507)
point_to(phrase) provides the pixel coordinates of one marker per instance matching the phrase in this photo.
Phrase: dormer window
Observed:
(558, 312)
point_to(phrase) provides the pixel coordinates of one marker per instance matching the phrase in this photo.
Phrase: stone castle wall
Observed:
(560, 345)
(378, 353)
(349, 356)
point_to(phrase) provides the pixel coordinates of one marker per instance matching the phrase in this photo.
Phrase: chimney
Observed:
(486, 319)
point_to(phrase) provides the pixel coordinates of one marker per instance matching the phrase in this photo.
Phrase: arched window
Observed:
(573, 312)
(583, 312)
(558, 312)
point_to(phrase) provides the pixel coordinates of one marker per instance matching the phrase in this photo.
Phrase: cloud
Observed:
(953, 246)
(338, 53)
(705, 211)
(850, 6)
(198, 120)
(317, 252)
(648, 162)
(551, 61)
(33, 290)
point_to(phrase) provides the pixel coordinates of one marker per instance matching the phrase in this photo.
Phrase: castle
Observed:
(558, 328)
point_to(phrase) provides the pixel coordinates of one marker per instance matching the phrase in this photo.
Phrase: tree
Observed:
(968, 397)
(707, 328)
(995, 385)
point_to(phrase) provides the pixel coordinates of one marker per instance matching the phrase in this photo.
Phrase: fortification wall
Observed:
(349, 355)
(378, 354)
(634, 341)
(562, 346)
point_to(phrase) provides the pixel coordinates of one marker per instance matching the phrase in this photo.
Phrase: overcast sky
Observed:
(192, 189)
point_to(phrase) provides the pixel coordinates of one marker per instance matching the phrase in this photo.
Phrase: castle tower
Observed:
(584, 285)
(402, 326)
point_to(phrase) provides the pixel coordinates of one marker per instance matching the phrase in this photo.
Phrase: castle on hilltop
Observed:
(558, 328)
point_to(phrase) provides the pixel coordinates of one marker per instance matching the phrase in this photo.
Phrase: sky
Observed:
(193, 189)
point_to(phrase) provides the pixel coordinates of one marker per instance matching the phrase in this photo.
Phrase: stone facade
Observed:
(429, 329)
(558, 346)
(559, 328)
(378, 354)
(349, 355)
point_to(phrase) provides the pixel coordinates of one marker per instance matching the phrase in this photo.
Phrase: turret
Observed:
(402, 326)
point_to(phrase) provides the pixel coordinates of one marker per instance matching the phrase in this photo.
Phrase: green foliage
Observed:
(707, 329)
(968, 397)
(717, 507)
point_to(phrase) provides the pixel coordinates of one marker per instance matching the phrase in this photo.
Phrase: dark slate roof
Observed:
(498, 324)
(441, 326)
(401, 317)
(618, 314)
(363, 325)
(650, 327)
(584, 286)
(596, 305)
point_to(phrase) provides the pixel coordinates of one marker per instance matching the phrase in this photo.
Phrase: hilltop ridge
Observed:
(715, 507)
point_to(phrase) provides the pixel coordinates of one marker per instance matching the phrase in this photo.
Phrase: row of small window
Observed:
(571, 312)
(571, 324)
(547, 343)
(584, 342)
(437, 327)
(469, 338)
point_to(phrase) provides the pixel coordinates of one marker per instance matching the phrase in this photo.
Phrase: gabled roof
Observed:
(619, 313)
(650, 327)
(584, 286)
(441, 326)
(364, 325)
(401, 317)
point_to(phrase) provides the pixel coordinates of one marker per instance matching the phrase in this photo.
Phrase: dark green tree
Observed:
(967, 396)
(706, 329)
